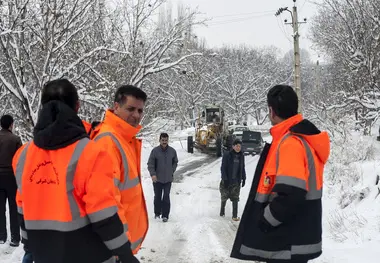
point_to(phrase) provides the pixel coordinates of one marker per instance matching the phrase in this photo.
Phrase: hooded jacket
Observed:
(118, 138)
(282, 220)
(65, 196)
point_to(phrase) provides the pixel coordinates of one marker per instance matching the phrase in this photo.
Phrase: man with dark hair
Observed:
(282, 220)
(129, 104)
(65, 197)
(60, 90)
(117, 135)
(233, 176)
(162, 164)
(9, 143)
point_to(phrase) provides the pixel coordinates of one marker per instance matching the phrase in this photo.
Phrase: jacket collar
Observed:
(5, 131)
(121, 127)
(279, 130)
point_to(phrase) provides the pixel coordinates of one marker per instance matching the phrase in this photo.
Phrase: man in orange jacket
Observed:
(282, 220)
(65, 198)
(117, 135)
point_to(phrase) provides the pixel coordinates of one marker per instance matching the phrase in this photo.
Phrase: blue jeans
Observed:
(28, 258)
(162, 199)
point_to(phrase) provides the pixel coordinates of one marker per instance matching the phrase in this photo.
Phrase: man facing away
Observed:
(233, 175)
(66, 198)
(282, 220)
(9, 143)
(117, 135)
(162, 164)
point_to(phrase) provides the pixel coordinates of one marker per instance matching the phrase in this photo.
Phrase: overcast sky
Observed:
(252, 22)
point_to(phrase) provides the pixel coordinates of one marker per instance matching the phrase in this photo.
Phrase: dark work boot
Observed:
(235, 211)
(222, 208)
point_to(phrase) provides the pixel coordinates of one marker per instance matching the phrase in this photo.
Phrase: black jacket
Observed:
(9, 143)
(304, 226)
(228, 165)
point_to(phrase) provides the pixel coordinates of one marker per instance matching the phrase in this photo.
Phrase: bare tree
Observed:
(348, 31)
(93, 43)
(246, 74)
(152, 45)
(39, 42)
(186, 90)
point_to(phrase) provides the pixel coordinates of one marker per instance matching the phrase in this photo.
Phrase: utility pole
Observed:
(297, 59)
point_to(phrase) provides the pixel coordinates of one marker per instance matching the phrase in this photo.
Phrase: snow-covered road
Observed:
(195, 233)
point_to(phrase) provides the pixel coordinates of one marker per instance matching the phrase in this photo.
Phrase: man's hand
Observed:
(154, 179)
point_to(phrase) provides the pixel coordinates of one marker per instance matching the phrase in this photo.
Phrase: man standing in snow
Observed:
(66, 189)
(282, 220)
(233, 175)
(9, 143)
(162, 164)
(117, 134)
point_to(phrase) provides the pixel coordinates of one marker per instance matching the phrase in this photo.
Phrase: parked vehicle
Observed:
(252, 142)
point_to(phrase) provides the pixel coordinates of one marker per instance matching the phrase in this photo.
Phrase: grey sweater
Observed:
(163, 163)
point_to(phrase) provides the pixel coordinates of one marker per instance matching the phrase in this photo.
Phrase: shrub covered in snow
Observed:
(345, 225)
(351, 180)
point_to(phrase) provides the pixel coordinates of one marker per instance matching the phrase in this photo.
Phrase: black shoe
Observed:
(14, 243)
(157, 216)
(164, 219)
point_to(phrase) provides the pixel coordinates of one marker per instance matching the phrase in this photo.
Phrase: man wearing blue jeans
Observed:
(162, 164)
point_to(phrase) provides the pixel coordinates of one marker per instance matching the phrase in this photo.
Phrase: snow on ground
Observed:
(196, 233)
(350, 234)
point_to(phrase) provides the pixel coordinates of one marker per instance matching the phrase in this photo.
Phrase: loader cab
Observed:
(213, 115)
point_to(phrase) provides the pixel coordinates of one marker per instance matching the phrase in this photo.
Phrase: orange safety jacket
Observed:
(66, 200)
(118, 138)
(87, 126)
(282, 219)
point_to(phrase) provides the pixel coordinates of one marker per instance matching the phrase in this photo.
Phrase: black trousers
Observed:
(8, 188)
(162, 199)
(291, 261)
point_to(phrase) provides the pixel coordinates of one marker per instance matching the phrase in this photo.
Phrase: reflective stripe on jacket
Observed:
(119, 139)
(282, 220)
(66, 197)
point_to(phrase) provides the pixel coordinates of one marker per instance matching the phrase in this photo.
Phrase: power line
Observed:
(237, 20)
(303, 5)
(283, 30)
(243, 14)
